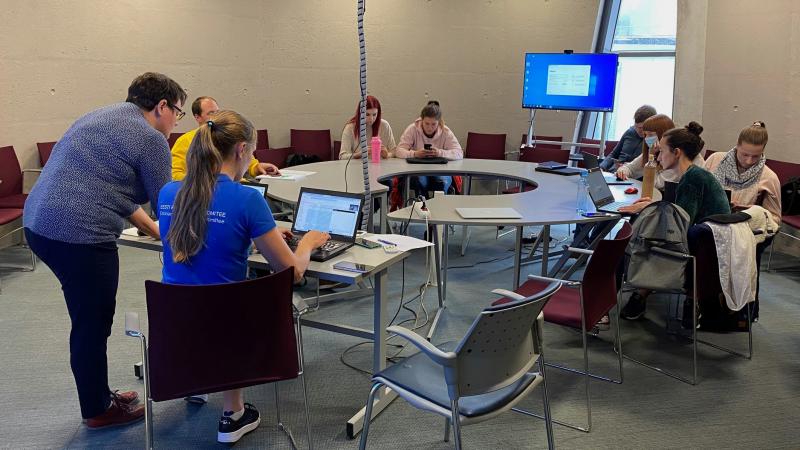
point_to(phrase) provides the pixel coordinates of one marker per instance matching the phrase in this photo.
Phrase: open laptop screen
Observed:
(261, 188)
(598, 188)
(336, 213)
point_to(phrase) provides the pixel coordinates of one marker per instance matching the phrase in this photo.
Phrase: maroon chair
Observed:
(784, 171)
(11, 195)
(538, 154)
(609, 147)
(192, 328)
(172, 138)
(485, 146)
(588, 300)
(262, 139)
(312, 142)
(45, 149)
(8, 216)
(708, 152)
(337, 148)
(275, 156)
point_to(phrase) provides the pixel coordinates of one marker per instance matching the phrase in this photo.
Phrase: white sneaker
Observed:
(199, 399)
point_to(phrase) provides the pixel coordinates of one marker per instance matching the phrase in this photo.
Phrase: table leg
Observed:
(385, 396)
(517, 255)
(545, 234)
(384, 210)
(445, 260)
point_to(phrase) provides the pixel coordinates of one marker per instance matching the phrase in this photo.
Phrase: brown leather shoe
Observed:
(127, 397)
(116, 414)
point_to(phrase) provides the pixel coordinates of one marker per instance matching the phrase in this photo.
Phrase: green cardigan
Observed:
(700, 194)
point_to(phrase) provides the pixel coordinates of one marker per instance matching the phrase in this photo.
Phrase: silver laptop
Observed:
(601, 194)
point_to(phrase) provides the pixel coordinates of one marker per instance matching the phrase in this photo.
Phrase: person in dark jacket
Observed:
(630, 144)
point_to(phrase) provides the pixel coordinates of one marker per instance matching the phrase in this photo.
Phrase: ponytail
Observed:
(214, 142)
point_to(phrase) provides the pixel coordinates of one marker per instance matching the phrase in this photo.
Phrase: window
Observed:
(642, 32)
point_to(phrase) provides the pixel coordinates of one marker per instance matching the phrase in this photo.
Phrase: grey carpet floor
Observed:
(737, 403)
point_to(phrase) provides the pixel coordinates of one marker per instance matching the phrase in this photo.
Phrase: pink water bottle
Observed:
(375, 145)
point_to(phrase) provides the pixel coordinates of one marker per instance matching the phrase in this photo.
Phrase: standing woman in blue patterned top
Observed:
(107, 164)
(208, 222)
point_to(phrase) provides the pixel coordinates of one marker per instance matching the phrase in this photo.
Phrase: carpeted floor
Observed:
(737, 403)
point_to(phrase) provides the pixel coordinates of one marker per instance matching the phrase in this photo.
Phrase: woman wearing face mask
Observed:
(698, 193)
(376, 126)
(654, 128)
(429, 130)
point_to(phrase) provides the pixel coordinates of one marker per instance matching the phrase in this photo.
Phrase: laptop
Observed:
(601, 194)
(434, 160)
(262, 188)
(590, 161)
(337, 213)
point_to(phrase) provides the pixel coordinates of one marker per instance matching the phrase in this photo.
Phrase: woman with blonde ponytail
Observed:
(207, 222)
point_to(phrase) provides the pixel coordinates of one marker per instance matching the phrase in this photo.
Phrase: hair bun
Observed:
(434, 102)
(759, 124)
(694, 128)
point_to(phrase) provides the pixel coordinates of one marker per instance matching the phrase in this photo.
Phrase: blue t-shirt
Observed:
(237, 215)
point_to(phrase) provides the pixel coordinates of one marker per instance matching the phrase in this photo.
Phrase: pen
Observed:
(386, 242)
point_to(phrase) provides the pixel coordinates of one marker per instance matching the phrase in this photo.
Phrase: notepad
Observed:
(488, 213)
(287, 174)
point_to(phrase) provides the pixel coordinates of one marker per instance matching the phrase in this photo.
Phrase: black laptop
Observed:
(337, 213)
(590, 161)
(262, 188)
(601, 194)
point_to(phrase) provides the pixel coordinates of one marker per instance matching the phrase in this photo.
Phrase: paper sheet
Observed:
(287, 174)
(403, 243)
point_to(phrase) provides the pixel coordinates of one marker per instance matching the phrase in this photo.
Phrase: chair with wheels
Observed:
(582, 304)
(189, 324)
(486, 373)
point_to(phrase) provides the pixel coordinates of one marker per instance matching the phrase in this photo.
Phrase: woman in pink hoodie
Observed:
(429, 137)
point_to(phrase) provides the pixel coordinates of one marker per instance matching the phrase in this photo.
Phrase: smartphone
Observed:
(427, 146)
(353, 267)
(365, 243)
(597, 214)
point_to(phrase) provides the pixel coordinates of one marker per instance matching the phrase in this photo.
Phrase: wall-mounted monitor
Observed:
(573, 81)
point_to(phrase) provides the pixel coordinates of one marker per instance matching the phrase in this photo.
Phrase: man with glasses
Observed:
(203, 109)
(630, 144)
(105, 166)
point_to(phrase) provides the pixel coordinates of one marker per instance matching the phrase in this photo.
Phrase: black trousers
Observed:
(89, 275)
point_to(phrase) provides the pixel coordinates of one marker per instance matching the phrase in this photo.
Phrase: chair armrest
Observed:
(446, 359)
(132, 328)
(671, 253)
(584, 251)
(506, 293)
(569, 283)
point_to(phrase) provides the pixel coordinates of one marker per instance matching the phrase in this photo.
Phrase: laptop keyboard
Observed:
(614, 206)
(327, 247)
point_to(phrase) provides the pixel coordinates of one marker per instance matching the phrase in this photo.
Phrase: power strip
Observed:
(421, 210)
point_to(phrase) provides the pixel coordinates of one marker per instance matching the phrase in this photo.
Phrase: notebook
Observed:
(434, 160)
(601, 194)
(488, 213)
(262, 188)
(337, 213)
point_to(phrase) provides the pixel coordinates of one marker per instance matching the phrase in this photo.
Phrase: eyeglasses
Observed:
(180, 111)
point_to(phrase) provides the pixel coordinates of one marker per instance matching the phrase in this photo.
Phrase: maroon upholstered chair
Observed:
(583, 305)
(275, 156)
(486, 146)
(172, 138)
(784, 171)
(262, 139)
(190, 324)
(11, 195)
(538, 154)
(312, 142)
(609, 147)
(337, 148)
(45, 149)
(708, 152)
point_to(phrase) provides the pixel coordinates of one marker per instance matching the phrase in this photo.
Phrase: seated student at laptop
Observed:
(631, 143)
(429, 137)
(698, 193)
(207, 222)
(654, 129)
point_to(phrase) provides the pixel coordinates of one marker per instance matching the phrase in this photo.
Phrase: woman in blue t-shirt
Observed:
(207, 222)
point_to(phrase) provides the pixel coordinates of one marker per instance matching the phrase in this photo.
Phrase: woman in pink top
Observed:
(429, 137)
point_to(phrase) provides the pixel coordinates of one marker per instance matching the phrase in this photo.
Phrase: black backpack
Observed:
(297, 159)
(790, 197)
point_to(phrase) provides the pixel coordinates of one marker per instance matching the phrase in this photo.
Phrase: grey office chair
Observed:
(483, 375)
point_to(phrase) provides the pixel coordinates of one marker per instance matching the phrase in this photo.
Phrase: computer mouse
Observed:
(631, 190)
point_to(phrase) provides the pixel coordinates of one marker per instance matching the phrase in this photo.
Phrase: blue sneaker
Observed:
(231, 431)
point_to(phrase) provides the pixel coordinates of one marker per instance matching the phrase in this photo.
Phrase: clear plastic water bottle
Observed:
(375, 146)
(583, 202)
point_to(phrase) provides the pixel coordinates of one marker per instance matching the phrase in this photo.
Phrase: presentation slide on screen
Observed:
(568, 80)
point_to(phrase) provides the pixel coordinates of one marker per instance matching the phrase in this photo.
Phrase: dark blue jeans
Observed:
(89, 274)
(425, 184)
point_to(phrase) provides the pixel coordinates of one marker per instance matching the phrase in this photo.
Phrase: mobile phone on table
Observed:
(597, 214)
(426, 146)
(368, 244)
(353, 267)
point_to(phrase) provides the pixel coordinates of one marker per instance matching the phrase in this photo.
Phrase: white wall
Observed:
(282, 64)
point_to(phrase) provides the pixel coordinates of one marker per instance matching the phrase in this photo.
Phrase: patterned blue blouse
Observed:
(108, 163)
